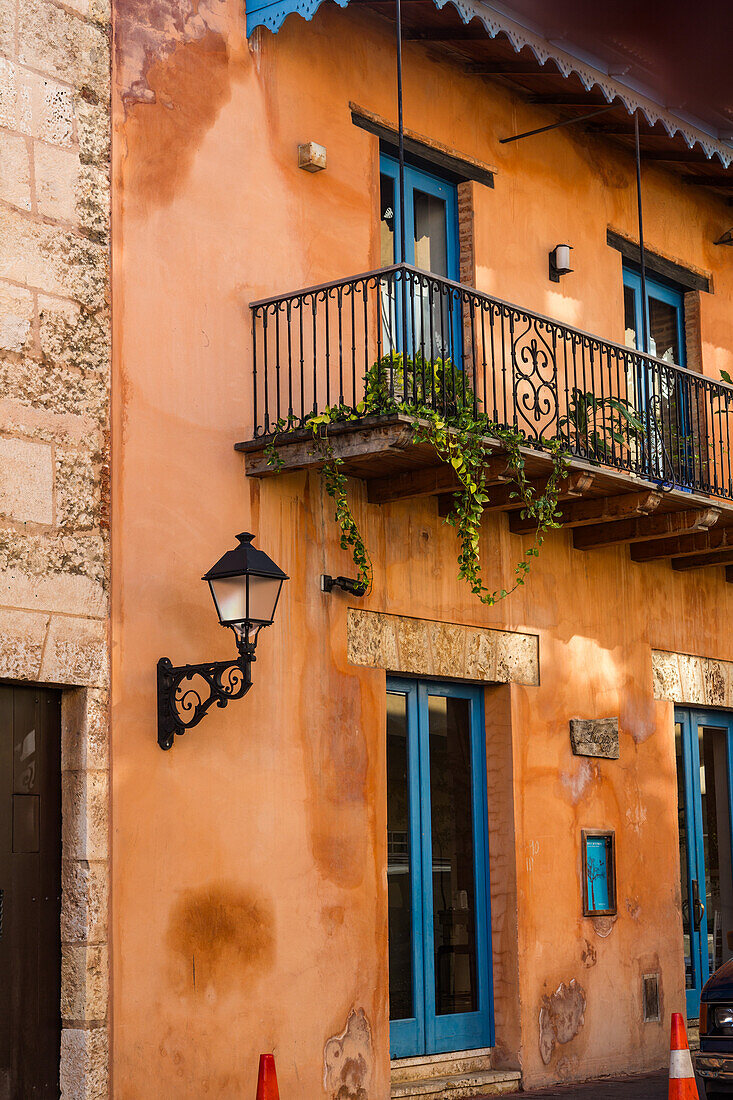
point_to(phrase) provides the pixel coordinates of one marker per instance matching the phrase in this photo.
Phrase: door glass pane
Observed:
(387, 220)
(663, 330)
(431, 308)
(454, 888)
(431, 245)
(388, 297)
(631, 337)
(714, 792)
(399, 871)
(684, 871)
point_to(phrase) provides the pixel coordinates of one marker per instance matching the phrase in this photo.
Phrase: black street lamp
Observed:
(245, 585)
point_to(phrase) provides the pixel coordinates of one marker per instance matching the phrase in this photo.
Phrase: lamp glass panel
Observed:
(562, 258)
(230, 597)
(263, 594)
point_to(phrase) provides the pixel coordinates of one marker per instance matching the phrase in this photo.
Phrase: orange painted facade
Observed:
(249, 892)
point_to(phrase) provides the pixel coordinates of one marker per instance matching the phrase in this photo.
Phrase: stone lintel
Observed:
(683, 678)
(424, 647)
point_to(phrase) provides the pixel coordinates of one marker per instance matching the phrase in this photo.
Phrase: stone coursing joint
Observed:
(424, 647)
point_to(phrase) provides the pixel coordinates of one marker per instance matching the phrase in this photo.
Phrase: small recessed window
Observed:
(651, 998)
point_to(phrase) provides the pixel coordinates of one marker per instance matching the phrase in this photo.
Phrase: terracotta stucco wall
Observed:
(249, 882)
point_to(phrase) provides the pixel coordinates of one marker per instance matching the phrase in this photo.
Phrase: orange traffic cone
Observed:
(681, 1074)
(267, 1079)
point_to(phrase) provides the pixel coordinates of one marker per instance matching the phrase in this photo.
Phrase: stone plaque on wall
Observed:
(594, 737)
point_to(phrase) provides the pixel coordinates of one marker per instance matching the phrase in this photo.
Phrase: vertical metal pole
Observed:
(642, 252)
(402, 289)
(400, 131)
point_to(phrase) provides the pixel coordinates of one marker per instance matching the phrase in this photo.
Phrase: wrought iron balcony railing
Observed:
(399, 334)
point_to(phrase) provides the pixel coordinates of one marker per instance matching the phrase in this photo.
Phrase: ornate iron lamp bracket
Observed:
(186, 692)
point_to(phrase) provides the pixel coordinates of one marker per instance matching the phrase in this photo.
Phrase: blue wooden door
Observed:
(704, 745)
(430, 312)
(663, 398)
(439, 920)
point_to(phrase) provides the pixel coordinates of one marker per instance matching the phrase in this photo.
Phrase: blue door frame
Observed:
(698, 961)
(426, 1032)
(418, 180)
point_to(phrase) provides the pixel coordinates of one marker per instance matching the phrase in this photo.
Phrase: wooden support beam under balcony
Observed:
(430, 482)
(505, 498)
(645, 528)
(583, 513)
(703, 542)
(702, 561)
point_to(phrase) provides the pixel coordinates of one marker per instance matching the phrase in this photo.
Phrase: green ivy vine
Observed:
(414, 388)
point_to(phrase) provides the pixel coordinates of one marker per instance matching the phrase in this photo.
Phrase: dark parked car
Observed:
(714, 1063)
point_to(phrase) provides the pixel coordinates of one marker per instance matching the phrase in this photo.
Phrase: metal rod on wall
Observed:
(557, 125)
(401, 289)
(642, 252)
(400, 130)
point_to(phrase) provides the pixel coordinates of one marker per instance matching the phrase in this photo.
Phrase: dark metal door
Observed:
(30, 892)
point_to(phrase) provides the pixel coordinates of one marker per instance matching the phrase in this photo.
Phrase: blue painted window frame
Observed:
(689, 720)
(417, 179)
(426, 1033)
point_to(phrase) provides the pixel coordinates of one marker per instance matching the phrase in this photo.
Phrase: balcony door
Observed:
(427, 323)
(664, 397)
(440, 993)
(704, 744)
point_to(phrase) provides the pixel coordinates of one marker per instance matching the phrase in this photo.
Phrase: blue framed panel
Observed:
(428, 1030)
(417, 310)
(703, 872)
(599, 873)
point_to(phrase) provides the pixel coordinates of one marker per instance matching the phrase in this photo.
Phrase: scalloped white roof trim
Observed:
(591, 77)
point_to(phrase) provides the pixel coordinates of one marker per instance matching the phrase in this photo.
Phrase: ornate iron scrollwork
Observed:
(183, 702)
(535, 375)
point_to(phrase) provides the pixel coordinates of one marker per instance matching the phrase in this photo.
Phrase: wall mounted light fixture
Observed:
(245, 586)
(560, 261)
(346, 584)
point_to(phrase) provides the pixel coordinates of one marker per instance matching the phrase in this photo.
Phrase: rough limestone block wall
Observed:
(54, 474)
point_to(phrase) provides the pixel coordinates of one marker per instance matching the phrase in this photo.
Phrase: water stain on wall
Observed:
(337, 768)
(348, 1060)
(562, 1015)
(219, 938)
(146, 33)
(173, 77)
